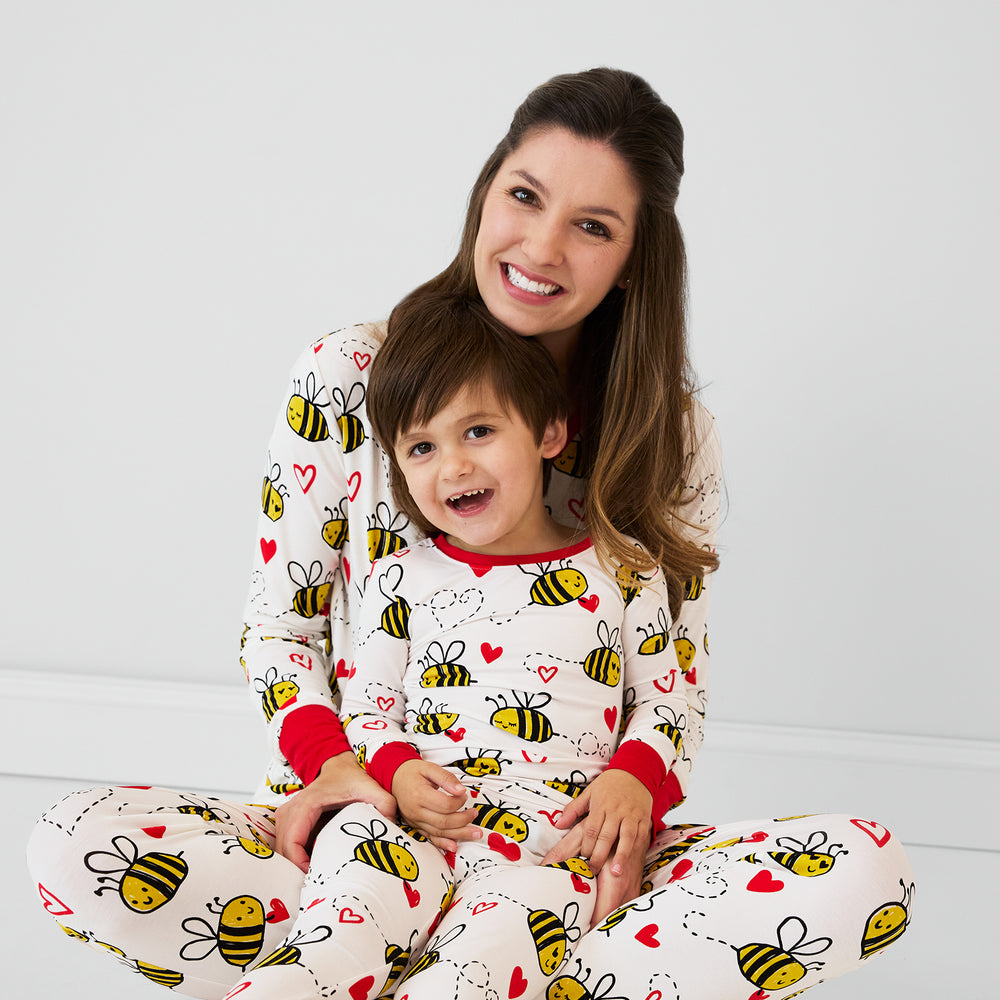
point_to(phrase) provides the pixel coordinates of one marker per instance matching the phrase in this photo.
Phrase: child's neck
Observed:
(547, 536)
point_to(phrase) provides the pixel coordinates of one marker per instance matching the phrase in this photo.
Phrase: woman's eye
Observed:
(523, 195)
(595, 228)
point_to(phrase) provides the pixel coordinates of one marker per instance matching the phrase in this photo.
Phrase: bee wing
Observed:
(454, 651)
(203, 943)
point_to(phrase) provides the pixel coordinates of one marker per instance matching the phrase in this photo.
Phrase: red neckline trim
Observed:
(482, 559)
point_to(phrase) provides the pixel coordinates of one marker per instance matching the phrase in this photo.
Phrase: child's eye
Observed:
(479, 432)
(595, 228)
(422, 448)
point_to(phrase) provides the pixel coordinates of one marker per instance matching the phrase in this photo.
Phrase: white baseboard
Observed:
(95, 729)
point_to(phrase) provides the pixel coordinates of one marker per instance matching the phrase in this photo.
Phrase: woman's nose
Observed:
(542, 242)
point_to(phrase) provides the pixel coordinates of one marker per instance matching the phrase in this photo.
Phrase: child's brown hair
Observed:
(439, 344)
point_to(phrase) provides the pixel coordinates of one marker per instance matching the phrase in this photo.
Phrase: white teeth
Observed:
(518, 280)
(471, 493)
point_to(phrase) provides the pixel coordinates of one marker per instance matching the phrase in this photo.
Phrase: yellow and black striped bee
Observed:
(554, 587)
(239, 934)
(395, 619)
(693, 587)
(441, 668)
(312, 598)
(578, 866)
(154, 973)
(808, 859)
(78, 935)
(672, 727)
(275, 694)
(201, 808)
(571, 460)
(479, 767)
(550, 934)
(523, 720)
(384, 529)
(628, 584)
(290, 952)
(571, 786)
(655, 635)
(685, 650)
(574, 987)
(147, 881)
(887, 923)
(432, 722)
(304, 414)
(273, 494)
(603, 664)
(669, 854)
(335, 528)
(493, 817)
(615, 917)
(284, 787)
(432, 953)
(775, 967)
(252, 845)
(391, 857)
(396, 956)
(352, 430)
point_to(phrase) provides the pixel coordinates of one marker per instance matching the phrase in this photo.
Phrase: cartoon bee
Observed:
(335, 528)
(704, 642)
(771, 967)
(571, 460)
(693, 587)
(352, 431)
(396, 956)
(481, 766)
(571, 786)
(273, 494)
(441, 667)
(284, 787)
(523, 720)
(615, 917)
(804, 859)
(304, 414)
(629, 699)
(147, 881)
(554, 587)
(887, 923)
(395, 619)
(290, 952)
(77, 935)
(388, 856)
(685, 650)
(432, 722)
(578, 866)
(654, 641)
(493, 817)
(603, 664)
(253, 845)
(275, 694)
(312, 598)
(239, 934)
(628, 584)
(574, 987)
(672, 727)
(383, 532)
(157, 974)
(550, 934)
(432, 953)
(669, 854)
(204, 810)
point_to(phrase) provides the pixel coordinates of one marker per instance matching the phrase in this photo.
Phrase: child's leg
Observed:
(508, 933)
(371, 897)
(766, 908)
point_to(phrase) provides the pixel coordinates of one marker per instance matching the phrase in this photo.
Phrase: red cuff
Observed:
(310, 736)
(643, 762)
(382, 767)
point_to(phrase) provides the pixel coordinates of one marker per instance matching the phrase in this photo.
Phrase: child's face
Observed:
(475, 472)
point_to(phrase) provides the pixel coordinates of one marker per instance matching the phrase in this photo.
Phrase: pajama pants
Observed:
(188, 892)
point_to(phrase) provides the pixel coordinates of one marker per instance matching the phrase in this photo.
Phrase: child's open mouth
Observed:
(471, 502)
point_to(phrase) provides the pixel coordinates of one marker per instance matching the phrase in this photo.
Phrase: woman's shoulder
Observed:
(345, 354)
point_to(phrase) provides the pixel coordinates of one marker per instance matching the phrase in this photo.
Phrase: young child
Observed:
(500, 669)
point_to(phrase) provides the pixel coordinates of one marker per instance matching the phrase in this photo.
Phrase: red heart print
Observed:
(480, 570)
(239, 989)
(268, 546)
(347, 568)
(755, 838)
(353, 485)
(362, 360)
(681, 870)
(316, 902)
(518, 984)
(590, 603)
(550, 816)
(317, 347)
(490, 653)
(765, 882)
(611, 717)
(667, 684)
(359, 991)
(277, 913)
(306, 476)
(482, 908)
(647, 936)
(691, 676)
(531, 760)
(580, 883)
(655, 995)
(451, 858)
(348, 916)
(301, 660)
(455, 735)
(412, 895)
(53, 903)
(547, 673)
(385, 703)
(374, 724)
(876, 831)
(509, 850)
(341, 667)
(154, 831)
(576, 508)
(760, 995)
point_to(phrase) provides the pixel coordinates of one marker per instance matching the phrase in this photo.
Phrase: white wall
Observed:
(193, 191)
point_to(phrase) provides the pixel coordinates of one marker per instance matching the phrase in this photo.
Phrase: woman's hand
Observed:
(340, 780)
(433, 800)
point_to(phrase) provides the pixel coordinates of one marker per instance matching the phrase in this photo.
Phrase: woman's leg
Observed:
(158, 879)
(751, 909)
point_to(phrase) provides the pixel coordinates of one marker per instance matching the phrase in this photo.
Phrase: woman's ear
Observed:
(554, 438)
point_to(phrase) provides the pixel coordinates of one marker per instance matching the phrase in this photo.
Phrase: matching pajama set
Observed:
(458, 660)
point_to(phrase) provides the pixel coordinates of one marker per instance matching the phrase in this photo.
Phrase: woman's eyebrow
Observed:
(589, 209)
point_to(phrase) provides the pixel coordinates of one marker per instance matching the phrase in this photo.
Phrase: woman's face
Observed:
(557, 228)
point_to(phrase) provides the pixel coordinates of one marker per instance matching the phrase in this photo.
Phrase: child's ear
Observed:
(554, 438)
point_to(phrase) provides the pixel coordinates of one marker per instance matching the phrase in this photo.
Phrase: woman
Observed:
(571, 238)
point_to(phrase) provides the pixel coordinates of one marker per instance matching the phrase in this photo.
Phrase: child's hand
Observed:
(433, 800)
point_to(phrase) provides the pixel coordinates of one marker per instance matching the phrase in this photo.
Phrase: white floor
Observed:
(947, 950)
